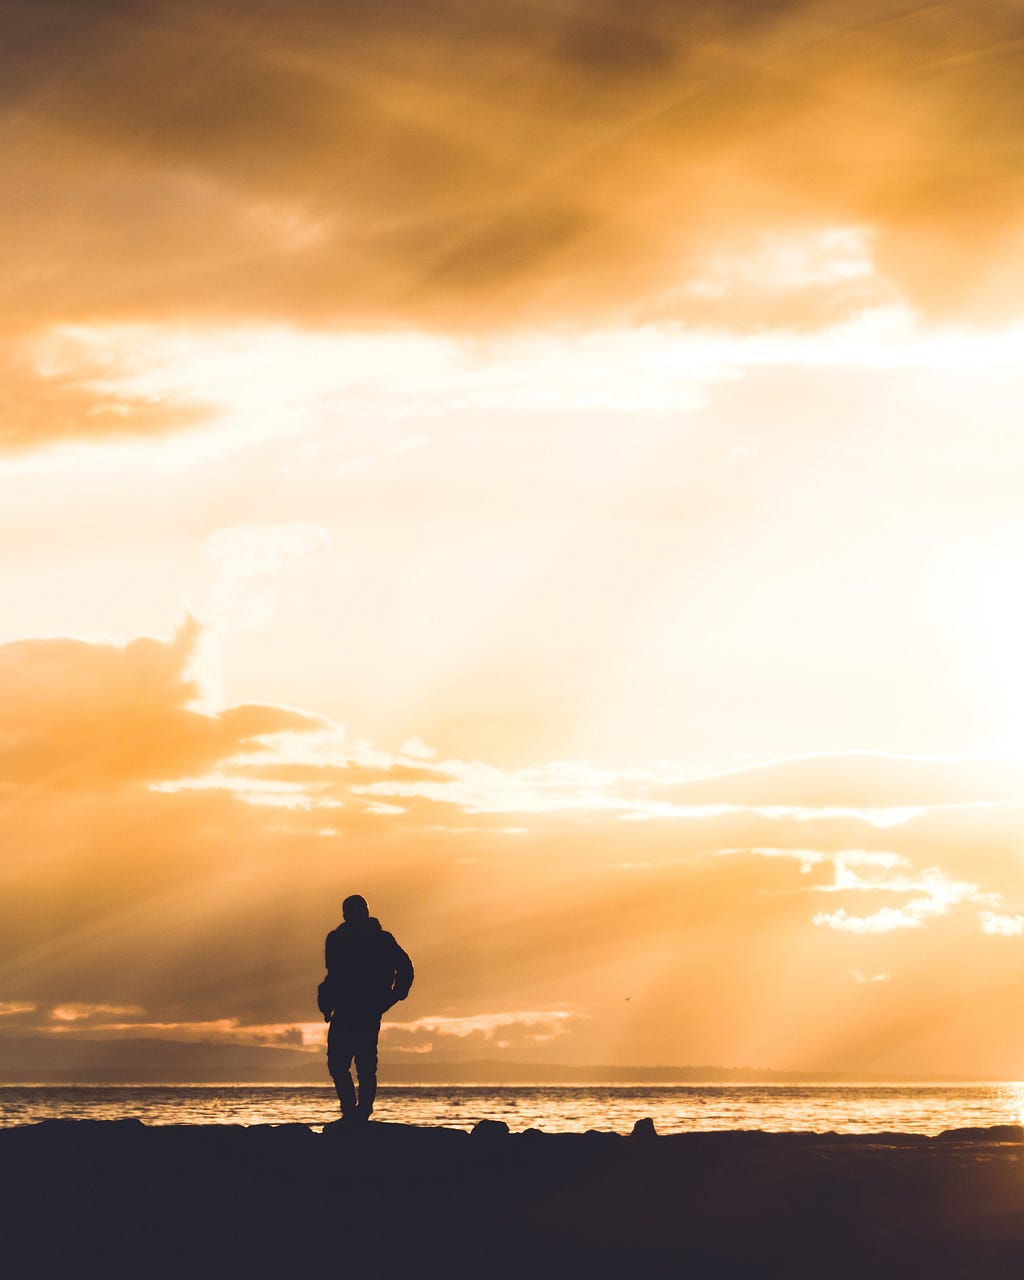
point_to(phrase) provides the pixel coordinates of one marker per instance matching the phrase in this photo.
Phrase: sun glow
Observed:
(555, 471)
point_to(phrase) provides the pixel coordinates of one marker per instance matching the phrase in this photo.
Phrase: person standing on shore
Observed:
(367, 973)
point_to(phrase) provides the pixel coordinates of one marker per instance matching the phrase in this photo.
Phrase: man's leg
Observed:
(366, 1067)
(340, 1049)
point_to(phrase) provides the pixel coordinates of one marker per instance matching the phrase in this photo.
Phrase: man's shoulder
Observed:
(394, 945)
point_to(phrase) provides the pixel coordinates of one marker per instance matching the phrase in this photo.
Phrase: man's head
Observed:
(354, 908)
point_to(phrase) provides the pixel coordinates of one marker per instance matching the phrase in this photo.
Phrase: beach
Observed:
(118, 1198)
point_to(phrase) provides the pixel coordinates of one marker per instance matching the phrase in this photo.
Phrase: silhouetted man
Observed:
(367, 972)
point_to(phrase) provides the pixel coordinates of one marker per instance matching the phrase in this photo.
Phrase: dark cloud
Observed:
(492, 164)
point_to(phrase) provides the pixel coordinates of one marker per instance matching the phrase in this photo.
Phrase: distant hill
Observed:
(494, 1071)
(53, 1060)
(46, 1060)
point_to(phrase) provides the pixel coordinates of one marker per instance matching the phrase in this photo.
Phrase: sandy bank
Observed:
(120, 1199)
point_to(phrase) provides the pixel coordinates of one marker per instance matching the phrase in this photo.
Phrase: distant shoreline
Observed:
(160, 1062)
(526, 1079)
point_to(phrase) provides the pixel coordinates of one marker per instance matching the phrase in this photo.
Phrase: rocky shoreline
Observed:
(118, 1198)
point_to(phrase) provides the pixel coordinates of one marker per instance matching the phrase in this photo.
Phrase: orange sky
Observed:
(553, 468)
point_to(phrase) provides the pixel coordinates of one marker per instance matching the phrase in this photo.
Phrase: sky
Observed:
(553, 468)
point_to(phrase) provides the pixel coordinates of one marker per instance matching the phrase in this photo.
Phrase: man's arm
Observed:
(403, 974)
(324, 994)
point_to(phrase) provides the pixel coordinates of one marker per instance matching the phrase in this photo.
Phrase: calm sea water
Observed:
(562, 1108)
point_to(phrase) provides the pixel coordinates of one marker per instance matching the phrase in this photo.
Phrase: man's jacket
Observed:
(367, 971)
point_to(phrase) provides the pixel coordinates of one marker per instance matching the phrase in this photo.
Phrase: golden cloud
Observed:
(431, 166)
(208, 912)
(80, 714)
(73, 400)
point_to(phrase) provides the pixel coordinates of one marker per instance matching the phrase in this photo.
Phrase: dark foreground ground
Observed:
(93, 1198)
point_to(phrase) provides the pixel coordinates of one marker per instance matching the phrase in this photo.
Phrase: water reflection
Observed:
(564, 1108)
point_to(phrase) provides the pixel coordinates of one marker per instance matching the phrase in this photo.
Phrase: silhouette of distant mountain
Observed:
(52, 1060)
(44, 1059)
(495, 1071)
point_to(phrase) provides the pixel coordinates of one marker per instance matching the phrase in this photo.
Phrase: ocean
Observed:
(852, 1108)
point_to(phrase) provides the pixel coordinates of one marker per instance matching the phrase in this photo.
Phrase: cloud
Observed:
(941, 895)
(840, 860)
(247, 564)
(787, 277)
(880, 871)
(82, 1011)
(868, 781)
(1001, 926)
(109, 1022)
(869, 787)
(541, 1025)
(512, 164)
(868, 979)
(327, 381)
(783, 264)
(79, 715)
(847, 879)
(205, 914)
(310, 1036)
(245, 558)
(883, 921)
(523, 1030)
(101, 716)
(52, 392)
(807, 858)
(76, 714)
